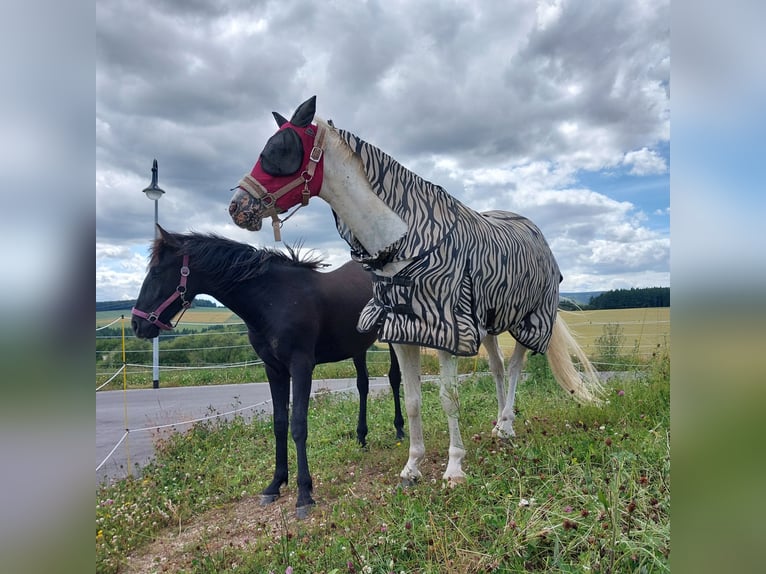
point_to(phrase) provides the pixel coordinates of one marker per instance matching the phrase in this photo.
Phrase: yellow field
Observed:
(203, 315)
(644, 328)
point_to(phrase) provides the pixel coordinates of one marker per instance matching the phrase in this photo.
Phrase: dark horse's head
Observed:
(288, 171)
(167, 288)
(184, 265)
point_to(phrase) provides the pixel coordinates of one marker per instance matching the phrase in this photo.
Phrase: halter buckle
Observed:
(316, 154)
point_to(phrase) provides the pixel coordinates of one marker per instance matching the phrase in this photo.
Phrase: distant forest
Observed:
(625, 299)
(119, 305)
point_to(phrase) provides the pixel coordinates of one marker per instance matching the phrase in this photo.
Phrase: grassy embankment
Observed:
(580, 488)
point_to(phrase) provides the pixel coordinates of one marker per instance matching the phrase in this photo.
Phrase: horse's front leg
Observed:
(363, 386)
(279, 384)
(448, 394)
(409, 361)
(301, 374)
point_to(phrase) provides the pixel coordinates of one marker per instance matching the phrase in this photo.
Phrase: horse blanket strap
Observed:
(180, 292)
(470, 273)
(393, 280)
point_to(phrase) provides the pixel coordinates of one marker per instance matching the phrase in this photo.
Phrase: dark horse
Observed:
(296, 316)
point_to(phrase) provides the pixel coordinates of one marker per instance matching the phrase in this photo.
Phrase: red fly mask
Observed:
(288, 172)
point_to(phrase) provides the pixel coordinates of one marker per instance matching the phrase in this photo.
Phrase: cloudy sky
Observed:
(556, 110)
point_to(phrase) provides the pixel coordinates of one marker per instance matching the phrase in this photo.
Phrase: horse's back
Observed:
(349, 284)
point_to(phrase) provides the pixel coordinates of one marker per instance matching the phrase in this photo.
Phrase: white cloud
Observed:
(645, 162)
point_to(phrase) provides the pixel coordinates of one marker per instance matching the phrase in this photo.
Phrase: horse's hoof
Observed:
(408, 482)
(503, 435)
(267, 499)
(302, 512)
(454, 481)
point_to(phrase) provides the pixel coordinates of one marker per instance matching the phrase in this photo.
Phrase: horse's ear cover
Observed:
(283, 154)
(305, 113)
(281, 120)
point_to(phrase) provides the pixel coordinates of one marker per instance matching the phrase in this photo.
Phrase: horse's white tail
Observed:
(584, 386)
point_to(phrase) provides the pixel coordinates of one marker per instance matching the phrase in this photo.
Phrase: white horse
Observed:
(397, 224)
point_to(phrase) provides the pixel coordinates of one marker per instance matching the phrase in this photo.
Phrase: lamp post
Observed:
(154, 193)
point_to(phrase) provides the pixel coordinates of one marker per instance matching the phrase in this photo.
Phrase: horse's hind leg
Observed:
(448, 394)
(363, 386)
(395, 380)
(504, 427)
(496, 367)
(409, 360)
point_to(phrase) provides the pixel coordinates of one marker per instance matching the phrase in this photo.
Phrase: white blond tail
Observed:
(584, 384)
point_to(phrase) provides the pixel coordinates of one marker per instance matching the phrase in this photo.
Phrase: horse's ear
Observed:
(166, 236)
(281, 120)
(305, 113)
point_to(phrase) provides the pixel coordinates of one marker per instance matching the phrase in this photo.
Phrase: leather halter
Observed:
(267, 201)
(180, 292)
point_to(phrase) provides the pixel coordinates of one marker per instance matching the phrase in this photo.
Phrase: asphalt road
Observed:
(148, 409)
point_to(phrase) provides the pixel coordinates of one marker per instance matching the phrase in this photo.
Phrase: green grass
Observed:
(580, 488)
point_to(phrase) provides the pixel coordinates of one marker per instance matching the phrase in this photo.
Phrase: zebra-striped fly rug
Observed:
(471, 273)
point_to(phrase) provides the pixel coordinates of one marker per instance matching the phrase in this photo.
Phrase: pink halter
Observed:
(180, 292)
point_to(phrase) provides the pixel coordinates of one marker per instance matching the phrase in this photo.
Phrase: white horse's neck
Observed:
(347, 190)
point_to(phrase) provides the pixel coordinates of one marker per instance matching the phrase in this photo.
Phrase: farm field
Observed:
(644, 328)
(613, 339)
(206, 316)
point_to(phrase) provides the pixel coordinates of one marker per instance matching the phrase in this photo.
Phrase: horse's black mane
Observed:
(229, 262)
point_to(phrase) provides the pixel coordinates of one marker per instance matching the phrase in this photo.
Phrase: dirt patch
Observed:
(235, 526)
(244, 523)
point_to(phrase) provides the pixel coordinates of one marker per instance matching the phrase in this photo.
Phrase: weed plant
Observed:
(579, 489)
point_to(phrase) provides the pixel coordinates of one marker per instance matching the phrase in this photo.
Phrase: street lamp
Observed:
(154, 192)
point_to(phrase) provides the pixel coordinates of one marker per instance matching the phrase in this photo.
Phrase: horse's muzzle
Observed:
(143, 329)
(244, 211)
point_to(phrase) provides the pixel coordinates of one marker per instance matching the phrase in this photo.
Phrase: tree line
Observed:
(624, 299)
